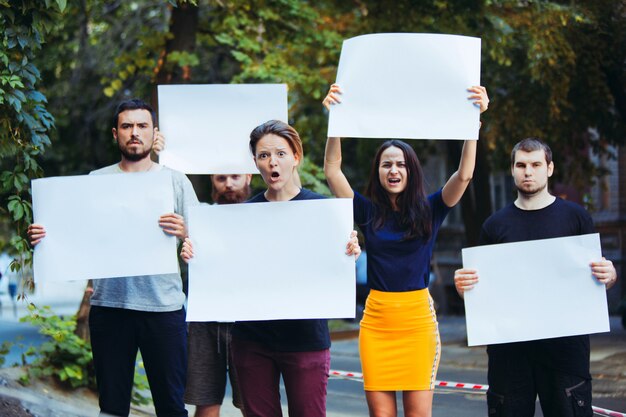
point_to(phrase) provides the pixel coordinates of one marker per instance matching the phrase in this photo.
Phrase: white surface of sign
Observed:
(534, 290)
(407, 86)
(266, 261)
(103, 226)
(207, 127)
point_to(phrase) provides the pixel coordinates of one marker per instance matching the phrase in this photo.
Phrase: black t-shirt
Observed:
(560, 219)
(286, 335)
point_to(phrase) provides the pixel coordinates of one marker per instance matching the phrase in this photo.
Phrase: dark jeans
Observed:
(116, 336)
(518, 374)
(259, 369)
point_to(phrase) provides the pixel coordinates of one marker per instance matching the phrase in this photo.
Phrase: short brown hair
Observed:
(278, 128)
(531, 145)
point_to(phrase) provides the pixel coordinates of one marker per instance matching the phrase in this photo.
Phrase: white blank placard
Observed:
(207, 127)
(407, 86)
(266, 261)
(534, 290)
(103, 226)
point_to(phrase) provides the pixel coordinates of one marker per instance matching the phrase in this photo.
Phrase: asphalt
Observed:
(608, 367)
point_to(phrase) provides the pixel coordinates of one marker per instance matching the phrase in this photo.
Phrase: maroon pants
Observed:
(305, 375)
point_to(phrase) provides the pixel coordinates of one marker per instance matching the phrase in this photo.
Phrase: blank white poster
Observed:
(103, 226)
(207, 127)
(266, 261)
(534, 290)
(407, 86)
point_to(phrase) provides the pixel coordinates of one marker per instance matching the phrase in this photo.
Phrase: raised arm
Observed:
(458, 182)
(337, 181)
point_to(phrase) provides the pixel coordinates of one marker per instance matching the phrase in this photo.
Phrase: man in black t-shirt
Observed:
(557, 370)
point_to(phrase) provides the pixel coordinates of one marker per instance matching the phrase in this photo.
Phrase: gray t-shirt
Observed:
(156, 293)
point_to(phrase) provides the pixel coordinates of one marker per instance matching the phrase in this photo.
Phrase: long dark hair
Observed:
(414, 209)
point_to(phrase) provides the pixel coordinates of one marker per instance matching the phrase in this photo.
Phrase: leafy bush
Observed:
(66, 357)
(4, 350)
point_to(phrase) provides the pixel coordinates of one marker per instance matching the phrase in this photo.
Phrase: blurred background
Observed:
(553, 69)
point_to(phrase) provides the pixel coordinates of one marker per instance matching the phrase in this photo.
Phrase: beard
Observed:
(531, 191)
(231, 197)
(133, 156)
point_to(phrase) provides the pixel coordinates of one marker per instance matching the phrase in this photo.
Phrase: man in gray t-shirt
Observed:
(140, 313)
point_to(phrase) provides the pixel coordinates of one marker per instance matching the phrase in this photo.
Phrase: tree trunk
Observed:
(183, 28)
(82, 316)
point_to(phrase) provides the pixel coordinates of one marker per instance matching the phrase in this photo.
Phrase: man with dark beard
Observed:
(142, 313)
(209, 342)
(556, 370)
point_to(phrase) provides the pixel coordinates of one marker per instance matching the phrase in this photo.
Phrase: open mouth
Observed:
(275, 175)
(394, 180)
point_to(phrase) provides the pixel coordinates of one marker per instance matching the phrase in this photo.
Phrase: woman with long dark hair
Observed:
(297, 350)
(399, 338)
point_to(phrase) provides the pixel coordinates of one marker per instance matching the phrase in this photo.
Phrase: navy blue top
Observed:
(286, 335)
(394, 264)
(512, 224)
(560, 219)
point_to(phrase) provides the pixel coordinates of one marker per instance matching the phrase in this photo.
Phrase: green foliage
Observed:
(141, 388)
(25, 122)
(64, 356)
(183, 59)
(285, 41)
(553, 69)
(5, 347)
(97, 54)
(312, 177)
(555, 81)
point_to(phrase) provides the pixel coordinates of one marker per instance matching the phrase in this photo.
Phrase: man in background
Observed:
(209, 342)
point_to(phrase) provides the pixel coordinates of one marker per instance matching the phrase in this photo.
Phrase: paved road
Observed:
(459, 363)
(346, 398)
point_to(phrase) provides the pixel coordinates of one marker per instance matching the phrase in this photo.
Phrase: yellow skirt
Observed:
(399, 341)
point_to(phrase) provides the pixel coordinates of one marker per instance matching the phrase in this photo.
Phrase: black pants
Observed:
(116, 336)
(519, 372)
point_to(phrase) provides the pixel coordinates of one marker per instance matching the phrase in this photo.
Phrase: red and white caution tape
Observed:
(344, 374)
(608, 413)
(448, 384)
(465, 385)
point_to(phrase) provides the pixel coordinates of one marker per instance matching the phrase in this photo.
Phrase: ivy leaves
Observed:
(25, 122)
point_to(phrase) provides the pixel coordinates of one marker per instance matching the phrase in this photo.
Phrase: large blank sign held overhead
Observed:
(207, 127)
(534, 290)
(407, 86)
(266, 261)
(103, 226)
